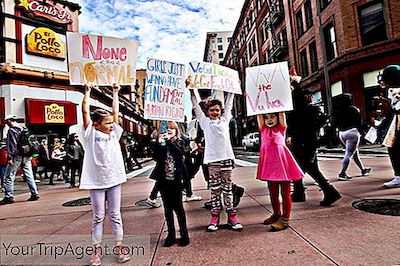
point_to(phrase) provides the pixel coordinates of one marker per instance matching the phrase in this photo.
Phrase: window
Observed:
(308, 14)
(220, 55)
(299, 20)
(372, 23)
(219, 40)
(283, 37)
(304, 65)
(313, 57)
(253, 46)
(324, 3)
(264, 33)
(220, 47)
(229, 39)
(330, 42)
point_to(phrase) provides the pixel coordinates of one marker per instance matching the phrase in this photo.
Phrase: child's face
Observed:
(106, 125)
(271, 120)
(214, 112)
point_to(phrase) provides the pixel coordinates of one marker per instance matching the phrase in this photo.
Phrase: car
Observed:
(251, 140)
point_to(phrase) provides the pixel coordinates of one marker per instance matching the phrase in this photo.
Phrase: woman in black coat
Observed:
(170, 173)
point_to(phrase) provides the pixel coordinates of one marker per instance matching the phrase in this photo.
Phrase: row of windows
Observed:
(308, 18)
(312, 49)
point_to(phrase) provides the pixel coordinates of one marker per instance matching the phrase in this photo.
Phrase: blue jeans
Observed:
(11, 171)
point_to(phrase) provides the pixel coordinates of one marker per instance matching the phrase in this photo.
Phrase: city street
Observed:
(337, 235)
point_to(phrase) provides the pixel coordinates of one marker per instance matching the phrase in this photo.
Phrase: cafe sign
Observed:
(54, 113)
(45, 42)
(47, 9)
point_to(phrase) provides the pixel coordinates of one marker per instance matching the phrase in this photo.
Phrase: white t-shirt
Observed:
(216, 132)
(103, 165)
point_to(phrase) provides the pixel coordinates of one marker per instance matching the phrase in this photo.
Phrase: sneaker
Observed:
(123, 254)
(344, 177)
(233, 221)
(33, 198)
(281, 224)
(95, 258)
(192, 198)
(7, 200)
(153, 203)
(366, 171)
(393, 183)
(213, 226)
(37, 181)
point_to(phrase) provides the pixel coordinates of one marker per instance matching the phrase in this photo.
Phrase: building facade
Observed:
(34, 82)
(352, 40)
(216, 46)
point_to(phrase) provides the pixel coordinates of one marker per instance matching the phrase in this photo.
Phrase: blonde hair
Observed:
(170, 124)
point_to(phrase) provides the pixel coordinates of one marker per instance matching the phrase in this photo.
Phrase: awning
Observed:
(40, 111)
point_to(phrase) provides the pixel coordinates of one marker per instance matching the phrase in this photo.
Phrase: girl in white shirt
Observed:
(219, 156)
(103, 172)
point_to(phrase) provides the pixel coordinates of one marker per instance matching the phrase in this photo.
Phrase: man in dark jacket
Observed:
(15, 160)
(304, 123)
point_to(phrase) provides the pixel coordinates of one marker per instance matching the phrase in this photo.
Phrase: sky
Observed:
(173, 30)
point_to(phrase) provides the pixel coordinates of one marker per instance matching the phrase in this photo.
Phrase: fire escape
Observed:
(279, 46)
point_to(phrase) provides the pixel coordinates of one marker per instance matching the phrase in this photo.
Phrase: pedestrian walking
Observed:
(103, 172)
(170, 174)
(347, 119)
(218, 154)
(17, 157)
(304, 124)
(75, 155)
(391, 81)
(277, 166)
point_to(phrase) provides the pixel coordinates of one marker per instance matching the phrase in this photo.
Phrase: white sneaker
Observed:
(154, 203)
(192, 198)
(394, 183)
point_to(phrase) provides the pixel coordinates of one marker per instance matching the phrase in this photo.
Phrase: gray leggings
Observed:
(351, 139)
(98, 200)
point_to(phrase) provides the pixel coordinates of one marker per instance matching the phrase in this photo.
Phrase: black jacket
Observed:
(176, 149)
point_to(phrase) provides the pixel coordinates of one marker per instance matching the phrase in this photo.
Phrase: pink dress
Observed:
(276, 163)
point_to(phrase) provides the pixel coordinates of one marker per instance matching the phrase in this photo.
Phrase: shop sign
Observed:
(47, 9)
(54, 113)
(45, 42)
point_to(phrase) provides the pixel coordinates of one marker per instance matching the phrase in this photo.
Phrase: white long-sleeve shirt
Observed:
(216, 132)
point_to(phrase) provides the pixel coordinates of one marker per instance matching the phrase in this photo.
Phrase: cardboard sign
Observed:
(45, 42)
(164, 92)
(101, 60)
(268, 89)
(204, 75)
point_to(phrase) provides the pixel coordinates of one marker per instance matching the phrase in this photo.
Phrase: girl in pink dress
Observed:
(277, 166)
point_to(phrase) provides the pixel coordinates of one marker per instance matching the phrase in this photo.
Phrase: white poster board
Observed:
(268, 89)
(101, 60)
(204, 75)
(164, 92)
(371, 135)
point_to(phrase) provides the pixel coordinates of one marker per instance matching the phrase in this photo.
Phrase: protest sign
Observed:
(204, 75)
(101, 60)
(164, 91)
(268, 89)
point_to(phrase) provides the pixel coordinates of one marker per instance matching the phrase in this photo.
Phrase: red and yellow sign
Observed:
(47, 9)
(54, 113)
(44, 41)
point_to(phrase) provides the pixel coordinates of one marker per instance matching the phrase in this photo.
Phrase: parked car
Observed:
(251, 140)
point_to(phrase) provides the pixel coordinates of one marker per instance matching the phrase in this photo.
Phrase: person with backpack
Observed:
(20, 146)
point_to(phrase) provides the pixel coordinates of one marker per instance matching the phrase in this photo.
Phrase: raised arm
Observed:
(115, 104)
(196, 106)
(86, 106)
(260, 121)
(282, 119)
(229, 105)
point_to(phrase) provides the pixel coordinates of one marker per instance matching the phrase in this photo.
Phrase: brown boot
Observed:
(272, 219)
(281, 224)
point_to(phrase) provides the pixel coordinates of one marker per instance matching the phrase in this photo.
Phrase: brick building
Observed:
(34, 78)
(360, 38)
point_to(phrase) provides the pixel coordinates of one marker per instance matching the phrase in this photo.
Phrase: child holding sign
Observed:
(170, 173)
(103, 172)
(218, 154)
(277, 166)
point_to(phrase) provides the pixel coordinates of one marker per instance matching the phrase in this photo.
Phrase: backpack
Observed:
(28, 143)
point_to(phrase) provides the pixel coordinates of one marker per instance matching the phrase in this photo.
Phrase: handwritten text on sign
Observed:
(101, 60)
(268, 89)
(203, 75)
(164, 92)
